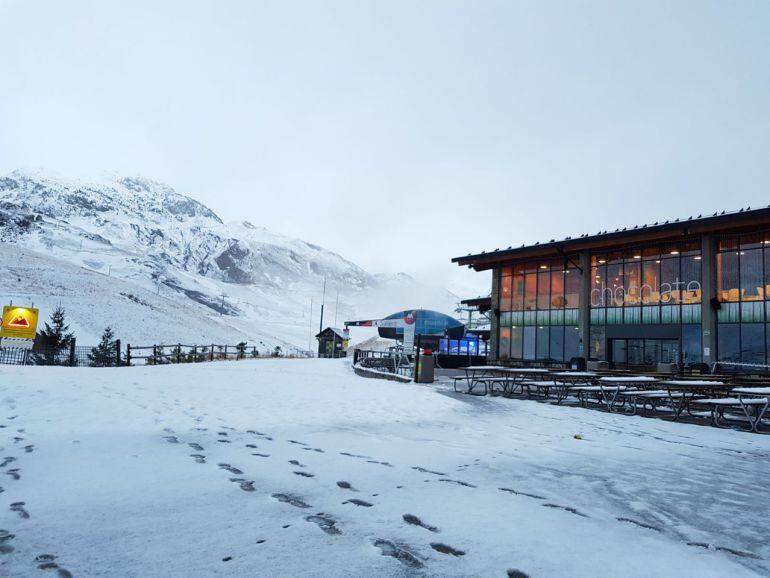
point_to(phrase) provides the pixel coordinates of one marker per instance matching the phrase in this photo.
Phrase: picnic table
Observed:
(518, 375)
(681, 392)
(753, 401)
(482, 375)
(566, 380)
(609, 388)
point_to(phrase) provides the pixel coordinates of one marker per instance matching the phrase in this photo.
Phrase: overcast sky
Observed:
(401, 134)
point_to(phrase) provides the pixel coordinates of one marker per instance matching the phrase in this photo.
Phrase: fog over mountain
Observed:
(162, 266)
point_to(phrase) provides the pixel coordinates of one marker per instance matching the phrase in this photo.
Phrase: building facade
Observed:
(687, 292)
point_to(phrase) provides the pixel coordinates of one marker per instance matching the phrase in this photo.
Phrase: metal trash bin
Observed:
(427, 368)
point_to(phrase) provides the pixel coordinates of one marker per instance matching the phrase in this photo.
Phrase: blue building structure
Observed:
(427, 323)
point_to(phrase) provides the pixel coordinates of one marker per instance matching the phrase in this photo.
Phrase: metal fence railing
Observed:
(393, 361)
(181, 353)
(72, 355)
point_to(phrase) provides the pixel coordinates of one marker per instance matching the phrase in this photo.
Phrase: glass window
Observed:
(753, 342)
(729, 342)
(530, 291)
(728, 244)
(504, 346)
(571, 342)
(516, 342)
(517, 290)
(542, 342)
(670, 286)
(691, 279)
(505, 293)
(544, 289)
(650, 291)
(615, 284)
(727, 276)
(632, 285)
(691, 344)
(598, 285)
(596, 348)
(556, 350)
(529, 343)
(767, 270)
(557, 288)
(635, 352)
(572, 288)
(752, 285)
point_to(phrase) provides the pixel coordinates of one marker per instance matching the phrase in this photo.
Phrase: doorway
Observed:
(629, 353)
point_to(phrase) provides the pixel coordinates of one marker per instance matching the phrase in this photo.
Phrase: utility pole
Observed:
(336, 306)
(310, 328)
(323, 302)
(222, 307)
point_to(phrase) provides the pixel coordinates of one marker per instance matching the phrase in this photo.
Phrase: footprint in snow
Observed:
(246, 486)
(426, 471)
(354, 455)
(444, 549)
(415, 521)
(325, 522)
(199, 458)
(196, 447)
(400, 553)
(14, 473)
(304, 474)
(519, 493)
(516, 574)
(47, 562)
(7, 461)
(29, 449)
(171, 439)
(5, 538)
(291, 499)
(566, 509)
(18, 507)
(458, 482)
(261, 455)
(640, 524)
(230, 469)
(346, 486)
(358, 502)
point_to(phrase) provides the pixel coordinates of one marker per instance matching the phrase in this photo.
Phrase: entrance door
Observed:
(628, 353)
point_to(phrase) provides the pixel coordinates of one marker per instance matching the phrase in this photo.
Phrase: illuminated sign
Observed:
(19, 322)
(650, 294)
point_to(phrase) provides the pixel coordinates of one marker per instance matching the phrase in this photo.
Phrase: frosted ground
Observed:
(301, 468)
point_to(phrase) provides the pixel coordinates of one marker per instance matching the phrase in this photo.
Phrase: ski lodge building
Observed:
(686, 291)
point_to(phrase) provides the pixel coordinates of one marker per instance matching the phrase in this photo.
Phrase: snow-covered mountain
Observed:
(236, 280)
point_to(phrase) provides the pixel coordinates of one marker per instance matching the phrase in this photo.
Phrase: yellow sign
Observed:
(19, 322)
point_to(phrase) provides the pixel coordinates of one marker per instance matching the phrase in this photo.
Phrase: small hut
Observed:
(333, 342)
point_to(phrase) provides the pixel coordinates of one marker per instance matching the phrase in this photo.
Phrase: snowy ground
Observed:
(240, 469)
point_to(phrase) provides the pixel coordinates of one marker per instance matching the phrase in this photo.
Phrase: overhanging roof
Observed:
(483, 303)
(668, 230)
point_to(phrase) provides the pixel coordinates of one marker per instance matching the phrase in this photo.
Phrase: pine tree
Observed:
(103, 355)
(53, 339)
